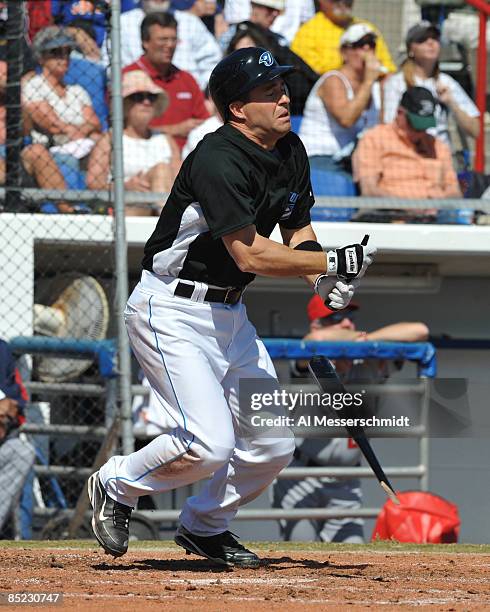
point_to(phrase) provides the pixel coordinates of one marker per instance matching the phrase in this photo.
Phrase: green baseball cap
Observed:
(420, 106)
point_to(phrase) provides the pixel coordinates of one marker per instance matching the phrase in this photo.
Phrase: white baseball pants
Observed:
(194, 353)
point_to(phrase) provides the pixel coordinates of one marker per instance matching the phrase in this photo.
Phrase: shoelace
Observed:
(229, 539)
(121, 515)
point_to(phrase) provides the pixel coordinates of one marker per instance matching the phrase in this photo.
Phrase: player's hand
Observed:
(351, 261)
(340, 296)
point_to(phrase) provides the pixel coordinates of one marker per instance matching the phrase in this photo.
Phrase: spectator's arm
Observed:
(99, 164)
(450, 187)
(86, 43)
(90, 127)
(469, 125)
(45, 117)
(334, 97)
(400, 332)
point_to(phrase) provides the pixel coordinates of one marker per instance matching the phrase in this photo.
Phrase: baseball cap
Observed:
(316, 309)
(420, 106)
(355, 33)
(279, 5)
(137, 81)
(419, 31)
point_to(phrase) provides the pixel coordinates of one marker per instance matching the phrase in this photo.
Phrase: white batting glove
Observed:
(335, 293)
(340, 296)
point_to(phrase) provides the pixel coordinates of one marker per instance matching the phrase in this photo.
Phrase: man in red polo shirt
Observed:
(187, 109)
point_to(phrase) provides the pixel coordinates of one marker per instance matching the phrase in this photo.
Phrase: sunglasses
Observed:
(60, 53)
(425, 37)
(337, 317)
(141, 96)
(369, 41)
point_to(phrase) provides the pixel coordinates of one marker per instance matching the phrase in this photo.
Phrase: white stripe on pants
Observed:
(194, 353)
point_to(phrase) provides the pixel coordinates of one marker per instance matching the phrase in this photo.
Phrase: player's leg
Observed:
(173, 340)
(258, 456)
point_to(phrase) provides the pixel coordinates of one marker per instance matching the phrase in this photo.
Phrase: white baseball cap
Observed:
(356, 32)
(279, 5)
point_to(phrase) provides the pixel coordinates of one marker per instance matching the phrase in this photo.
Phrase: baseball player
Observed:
(188, 326)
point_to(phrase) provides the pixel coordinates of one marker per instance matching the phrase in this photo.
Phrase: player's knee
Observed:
(217, 456)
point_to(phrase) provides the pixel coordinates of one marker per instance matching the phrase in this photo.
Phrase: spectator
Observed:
(422, 68)
(287, 23)
(294, 15)
(151, 160)
(401, 160)
(73, 12)
(343, 103)
(62, 114)
(187, 108)
(263, 15)
(38, 167)
(332, 493)
(317, 41)
(197, 51)
(211, 15)
(16, 455)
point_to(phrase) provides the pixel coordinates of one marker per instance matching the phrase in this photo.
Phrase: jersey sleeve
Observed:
(223, 191)
(300, 216)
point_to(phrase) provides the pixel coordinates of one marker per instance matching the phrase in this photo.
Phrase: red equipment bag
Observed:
(421, 518)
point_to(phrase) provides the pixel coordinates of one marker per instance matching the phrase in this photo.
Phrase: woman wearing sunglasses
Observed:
(61, 113)
(151, 159)
(421, 68)
(343, 103)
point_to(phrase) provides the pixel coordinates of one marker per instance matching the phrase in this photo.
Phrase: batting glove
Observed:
(351, 261)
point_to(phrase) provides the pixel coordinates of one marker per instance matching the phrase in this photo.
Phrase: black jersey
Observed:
(228, 182)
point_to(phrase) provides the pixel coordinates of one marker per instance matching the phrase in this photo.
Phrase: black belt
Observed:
(224, 296)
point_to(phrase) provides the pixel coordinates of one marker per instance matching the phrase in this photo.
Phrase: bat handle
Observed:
(365, 240)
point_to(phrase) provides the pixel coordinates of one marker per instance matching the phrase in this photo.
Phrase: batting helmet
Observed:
(239, 73)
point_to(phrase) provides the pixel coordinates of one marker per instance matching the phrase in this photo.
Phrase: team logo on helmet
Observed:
(266, 58)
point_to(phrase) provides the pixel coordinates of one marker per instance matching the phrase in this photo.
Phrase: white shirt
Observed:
(197, 51)
(69, 108)
(197, 134)
(395, 86)
(321, 133)
(141, 154)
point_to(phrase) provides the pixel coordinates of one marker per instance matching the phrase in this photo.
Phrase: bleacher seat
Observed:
(296, 123)
(92, 78)
(328, 183)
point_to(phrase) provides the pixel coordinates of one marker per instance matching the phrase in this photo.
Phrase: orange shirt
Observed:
(403, 172)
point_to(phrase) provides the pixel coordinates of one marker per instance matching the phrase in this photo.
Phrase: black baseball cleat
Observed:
(223, 549)
(110, 519)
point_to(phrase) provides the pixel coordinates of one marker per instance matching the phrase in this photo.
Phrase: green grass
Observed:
(381, 546)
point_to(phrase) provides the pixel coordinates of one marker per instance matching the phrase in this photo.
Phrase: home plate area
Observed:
(316, 577)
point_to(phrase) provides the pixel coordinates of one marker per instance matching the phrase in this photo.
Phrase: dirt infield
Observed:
(158, 575)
